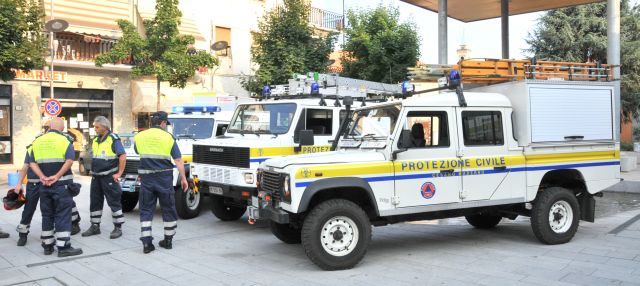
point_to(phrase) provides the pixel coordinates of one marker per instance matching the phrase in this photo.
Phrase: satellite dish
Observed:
(56, 25)
(219, 45)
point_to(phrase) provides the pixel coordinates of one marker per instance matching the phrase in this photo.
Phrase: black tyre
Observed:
(129, 201)
(225, 212)
(82, 169)
(187, 203)
(285, 232)
(483, 221)
(336, 234)
(555, 215)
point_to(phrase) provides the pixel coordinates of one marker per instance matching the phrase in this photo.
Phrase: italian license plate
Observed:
(215, 190)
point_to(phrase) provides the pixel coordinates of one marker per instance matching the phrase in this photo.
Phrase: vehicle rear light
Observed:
(245, 194)
(267, 198)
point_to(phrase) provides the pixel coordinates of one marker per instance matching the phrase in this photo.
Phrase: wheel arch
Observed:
(573, 180)
(354, 189)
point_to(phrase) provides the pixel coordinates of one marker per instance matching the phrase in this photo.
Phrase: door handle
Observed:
(446, 171)
(500, 168)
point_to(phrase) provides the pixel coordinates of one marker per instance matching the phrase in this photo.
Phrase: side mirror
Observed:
(403, 144)
(306, 139)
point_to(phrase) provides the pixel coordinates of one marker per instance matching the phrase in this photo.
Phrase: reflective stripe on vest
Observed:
(154, 146)
(49, 151)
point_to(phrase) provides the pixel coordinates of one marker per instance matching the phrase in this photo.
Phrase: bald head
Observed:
(57, 123)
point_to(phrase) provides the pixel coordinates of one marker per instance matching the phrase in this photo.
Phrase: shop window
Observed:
(6, 149)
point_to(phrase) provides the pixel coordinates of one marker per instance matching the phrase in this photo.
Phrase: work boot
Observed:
(4, 234)
(166, 242)
(116, 232)
(69, 251)
(22, 241)
(148, 247)
(48, 249)
(75, 228)
(93, 230)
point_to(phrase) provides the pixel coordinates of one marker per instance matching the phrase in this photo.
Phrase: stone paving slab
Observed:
(444, 252)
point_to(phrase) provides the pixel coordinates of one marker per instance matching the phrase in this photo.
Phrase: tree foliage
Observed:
(579, 34)
(162, 52)
(22, 44)
(285, 44)
(378, 47)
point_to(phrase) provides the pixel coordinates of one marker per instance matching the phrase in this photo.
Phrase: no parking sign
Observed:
(52, 107)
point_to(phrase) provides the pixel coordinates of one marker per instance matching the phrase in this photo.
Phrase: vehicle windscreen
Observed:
(377, 123)
(262, 118)
(127, 141)
(192, 128)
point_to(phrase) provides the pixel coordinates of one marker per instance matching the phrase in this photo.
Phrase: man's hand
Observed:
(18, 187)
(52, 180)
(116, 177)
(184, 184)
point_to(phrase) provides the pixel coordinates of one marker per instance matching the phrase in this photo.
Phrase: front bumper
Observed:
(130, 183)
(227, 191)
(268, 213)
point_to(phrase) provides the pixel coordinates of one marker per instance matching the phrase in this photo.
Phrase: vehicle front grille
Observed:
(221, 156)
(272, 183)
(132, 167)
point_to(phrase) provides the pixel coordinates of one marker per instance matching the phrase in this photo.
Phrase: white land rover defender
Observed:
(284, 125)
(189, 124)
(541, 149)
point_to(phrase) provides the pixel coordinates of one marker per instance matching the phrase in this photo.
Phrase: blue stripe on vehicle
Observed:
(485, 172)
(258, 160)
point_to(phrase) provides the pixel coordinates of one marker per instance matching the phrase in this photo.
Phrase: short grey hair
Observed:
(103, 121)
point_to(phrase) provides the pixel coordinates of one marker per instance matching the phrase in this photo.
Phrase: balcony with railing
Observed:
(322, 19)
(73, 49)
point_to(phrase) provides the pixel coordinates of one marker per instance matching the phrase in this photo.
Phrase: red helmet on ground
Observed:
(14, 200)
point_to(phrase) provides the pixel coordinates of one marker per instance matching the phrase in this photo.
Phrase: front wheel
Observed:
(225, 212)
(129, 201)
(555, 215)
(187, 203)
(336, 234)
(285, 232)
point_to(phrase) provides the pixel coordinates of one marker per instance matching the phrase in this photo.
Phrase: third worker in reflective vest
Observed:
(156, 148)
(51, 158)
(107, 165)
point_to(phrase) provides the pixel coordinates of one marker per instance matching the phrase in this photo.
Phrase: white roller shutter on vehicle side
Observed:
(558, 113)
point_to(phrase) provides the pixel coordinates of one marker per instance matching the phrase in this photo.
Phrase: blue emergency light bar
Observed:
(191, 109)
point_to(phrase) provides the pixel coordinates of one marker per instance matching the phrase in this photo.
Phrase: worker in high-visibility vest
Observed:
(107, 165)
(156, 148)
(50, 159)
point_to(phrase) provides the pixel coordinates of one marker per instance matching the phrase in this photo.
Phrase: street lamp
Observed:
(54, 26)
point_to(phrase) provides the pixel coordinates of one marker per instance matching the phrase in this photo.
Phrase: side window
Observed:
(221, 129)
(429, 129)
(318, 120)
(482, 128)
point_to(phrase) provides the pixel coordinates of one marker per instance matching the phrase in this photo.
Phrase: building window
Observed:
(482, 128)
(223, 34)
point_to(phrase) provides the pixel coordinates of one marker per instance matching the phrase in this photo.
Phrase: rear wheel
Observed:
(129, 201)
(187, 203)
(483, 221)
(555, 215)
(336, 234)
(224, 211)
(285, 232)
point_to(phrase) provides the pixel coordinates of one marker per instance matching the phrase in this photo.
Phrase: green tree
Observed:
(22, 44)
(579, 34)
(162, 52)
(285, 44)
(378, 47)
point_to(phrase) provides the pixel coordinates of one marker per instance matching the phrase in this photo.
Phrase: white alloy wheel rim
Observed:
(339, 236)
(192, 199)
(560, 217)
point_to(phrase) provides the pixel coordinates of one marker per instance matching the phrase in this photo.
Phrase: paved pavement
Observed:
(450, 252)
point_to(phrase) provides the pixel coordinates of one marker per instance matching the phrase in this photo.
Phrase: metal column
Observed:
(504, 17)
(442, 32)
(613, 53)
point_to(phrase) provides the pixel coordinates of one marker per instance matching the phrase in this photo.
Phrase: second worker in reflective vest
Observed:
(51, 158)
(156, 148)
(107, 165)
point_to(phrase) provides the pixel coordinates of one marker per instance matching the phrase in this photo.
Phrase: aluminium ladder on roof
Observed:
(334, 85)
(489, 71)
